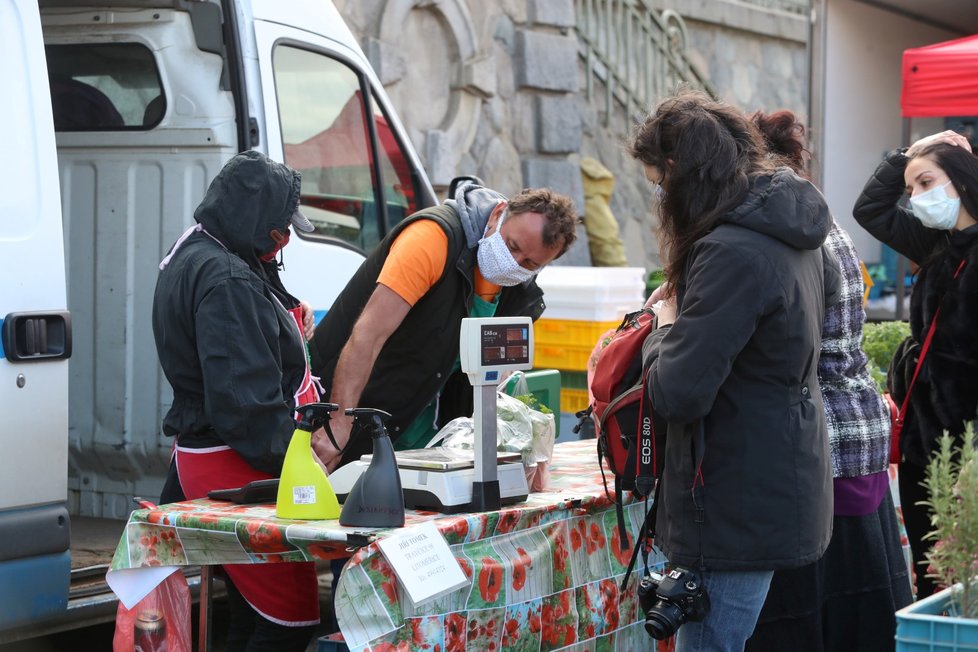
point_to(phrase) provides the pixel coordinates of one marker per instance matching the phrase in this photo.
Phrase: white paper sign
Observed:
(423, 562)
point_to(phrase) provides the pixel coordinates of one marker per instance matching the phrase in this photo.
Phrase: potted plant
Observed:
(950, 617)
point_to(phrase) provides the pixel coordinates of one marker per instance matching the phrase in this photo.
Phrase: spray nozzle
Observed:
(375, 417)
(315, 415)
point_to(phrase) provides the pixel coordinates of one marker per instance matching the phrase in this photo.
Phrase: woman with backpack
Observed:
(847, 600)
(732, 365)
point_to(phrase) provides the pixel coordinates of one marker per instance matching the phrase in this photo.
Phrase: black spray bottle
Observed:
(376, 499)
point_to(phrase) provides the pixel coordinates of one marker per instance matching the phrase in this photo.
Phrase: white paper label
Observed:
(423, 562)
(304, 495)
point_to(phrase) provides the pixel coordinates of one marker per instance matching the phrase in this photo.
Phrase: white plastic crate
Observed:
(591, 293)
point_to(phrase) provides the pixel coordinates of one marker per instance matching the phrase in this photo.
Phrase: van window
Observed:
(104, 87)
(327, 137)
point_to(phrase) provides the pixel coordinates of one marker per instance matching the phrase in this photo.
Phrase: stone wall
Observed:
(497, 89)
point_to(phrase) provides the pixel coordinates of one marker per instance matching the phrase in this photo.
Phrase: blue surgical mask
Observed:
(935, 209)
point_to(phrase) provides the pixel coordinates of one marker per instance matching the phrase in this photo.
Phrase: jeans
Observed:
(736, 598)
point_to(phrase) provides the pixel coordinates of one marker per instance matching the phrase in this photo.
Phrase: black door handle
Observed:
(36, 336)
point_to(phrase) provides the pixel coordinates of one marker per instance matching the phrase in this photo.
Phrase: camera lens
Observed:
(662, 620)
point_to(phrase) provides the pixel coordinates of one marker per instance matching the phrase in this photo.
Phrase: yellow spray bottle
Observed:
(304, 491)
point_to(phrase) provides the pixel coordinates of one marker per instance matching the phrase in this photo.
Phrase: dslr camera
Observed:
(672, 599)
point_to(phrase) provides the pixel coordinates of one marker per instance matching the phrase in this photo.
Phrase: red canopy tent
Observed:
(941, 79)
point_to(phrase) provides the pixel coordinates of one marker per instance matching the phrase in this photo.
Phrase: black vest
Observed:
(417, 359)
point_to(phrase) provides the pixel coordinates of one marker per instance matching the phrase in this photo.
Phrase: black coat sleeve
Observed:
(878, 212)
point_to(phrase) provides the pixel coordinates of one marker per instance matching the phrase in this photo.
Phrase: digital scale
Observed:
(434, 479)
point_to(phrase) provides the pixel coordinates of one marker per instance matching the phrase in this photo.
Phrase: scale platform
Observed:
(435, 480)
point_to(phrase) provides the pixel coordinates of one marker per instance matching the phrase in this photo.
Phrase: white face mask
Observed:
(935, 209)
(496, 262)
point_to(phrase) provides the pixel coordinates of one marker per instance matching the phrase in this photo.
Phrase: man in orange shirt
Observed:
(391, 339)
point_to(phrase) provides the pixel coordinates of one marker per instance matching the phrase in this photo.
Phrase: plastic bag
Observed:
(160, 621)
(519, 429)
(514, 430)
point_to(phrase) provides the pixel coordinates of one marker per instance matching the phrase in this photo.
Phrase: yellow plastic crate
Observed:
(568, 332)
(566, 358)
(573, 400)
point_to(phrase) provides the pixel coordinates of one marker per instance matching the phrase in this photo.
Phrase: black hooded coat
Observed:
(232, 353)
(747, 483)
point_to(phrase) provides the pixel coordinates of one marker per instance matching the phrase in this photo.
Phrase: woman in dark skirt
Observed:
(847, 600)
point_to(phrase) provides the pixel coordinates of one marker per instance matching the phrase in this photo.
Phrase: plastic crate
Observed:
(921, 627)
(573, 380)
(570, 332)
(565, 358)
(573, 400)
(594, 294)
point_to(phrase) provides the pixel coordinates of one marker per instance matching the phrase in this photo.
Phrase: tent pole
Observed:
(901, 263)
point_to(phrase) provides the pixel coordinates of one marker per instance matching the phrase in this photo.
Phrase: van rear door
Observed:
(36, 334)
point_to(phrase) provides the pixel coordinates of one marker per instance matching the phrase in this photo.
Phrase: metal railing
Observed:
(637, 52)
(802, 7)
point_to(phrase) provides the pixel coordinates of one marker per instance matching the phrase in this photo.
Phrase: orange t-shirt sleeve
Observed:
(416, 260)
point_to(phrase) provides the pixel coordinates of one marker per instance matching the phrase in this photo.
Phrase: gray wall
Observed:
(497, 88)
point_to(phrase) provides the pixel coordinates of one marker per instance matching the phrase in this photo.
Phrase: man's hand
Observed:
(328, 454)
(949, 137)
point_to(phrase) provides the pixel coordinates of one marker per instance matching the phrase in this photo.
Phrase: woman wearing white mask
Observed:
(939, 234)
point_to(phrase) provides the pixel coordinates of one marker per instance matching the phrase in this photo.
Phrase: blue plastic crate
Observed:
(922, 628)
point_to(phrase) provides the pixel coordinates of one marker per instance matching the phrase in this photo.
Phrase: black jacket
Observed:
(417, 360)
(736, 378)
(946, 393)
(231, 352)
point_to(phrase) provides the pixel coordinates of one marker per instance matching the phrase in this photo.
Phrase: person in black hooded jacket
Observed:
(940, 234)
(732, 365)
(236, 360)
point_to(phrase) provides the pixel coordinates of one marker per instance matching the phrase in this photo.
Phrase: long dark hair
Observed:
(707, 151)
(961, 167)
(784, 138)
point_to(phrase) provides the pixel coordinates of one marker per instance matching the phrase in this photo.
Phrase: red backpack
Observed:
(630, 435)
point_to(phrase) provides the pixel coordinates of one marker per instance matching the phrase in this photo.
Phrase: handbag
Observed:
(907, 348)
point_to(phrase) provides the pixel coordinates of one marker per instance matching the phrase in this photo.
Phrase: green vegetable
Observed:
(880, 340)
(533, 403)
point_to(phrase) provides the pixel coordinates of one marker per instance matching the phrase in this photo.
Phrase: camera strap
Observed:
(645, 534)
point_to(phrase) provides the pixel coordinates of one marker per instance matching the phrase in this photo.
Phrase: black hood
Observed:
(786, 207)
(249, 197)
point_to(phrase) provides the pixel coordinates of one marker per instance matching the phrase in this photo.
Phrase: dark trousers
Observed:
(917, 519)
(250, 632)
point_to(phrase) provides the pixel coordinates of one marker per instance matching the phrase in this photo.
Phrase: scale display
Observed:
(506, 345)
(491, 346)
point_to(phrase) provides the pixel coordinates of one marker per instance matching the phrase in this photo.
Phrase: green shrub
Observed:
(880, 340)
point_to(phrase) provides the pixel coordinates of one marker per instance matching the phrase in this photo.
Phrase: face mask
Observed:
(658, 194)
(270, 256)
(497, 263)
(935, 209)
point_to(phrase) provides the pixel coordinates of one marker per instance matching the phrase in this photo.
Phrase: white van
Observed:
(148, 99)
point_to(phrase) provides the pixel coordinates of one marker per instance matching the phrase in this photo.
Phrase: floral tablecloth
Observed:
(545, 573)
